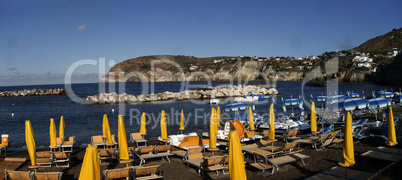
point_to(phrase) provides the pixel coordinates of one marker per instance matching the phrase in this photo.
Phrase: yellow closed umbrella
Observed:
(271, 122)
(181, 121)
(143, 129)
(90, 168)
(61, 127)
(218, 111)
(212, 129)
(348, 149)
(237, 169)
(106, 130)
(251, 118)
(391, 129)
(52, 134)
(123, 148)
(163, 125)
(313, 122)
(30, 141)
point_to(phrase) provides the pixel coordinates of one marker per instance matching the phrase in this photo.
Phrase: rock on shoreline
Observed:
(34, 92)
(222, 91)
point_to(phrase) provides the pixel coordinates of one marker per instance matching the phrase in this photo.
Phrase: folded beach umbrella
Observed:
(61, 127)
(123, 147)
(52, 133)
(313, 121)
(90, 168)
(271, 122)
(106, 130)
(348, 148)
(218, 111)
(391, 129)
(30, 141)
(237, 169)
(181, 121)
(143, 129)
(212, 130)
(251, 118)
(163, 125)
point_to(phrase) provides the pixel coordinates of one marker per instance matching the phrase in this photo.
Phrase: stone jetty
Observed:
(34, 92)
(209, 92)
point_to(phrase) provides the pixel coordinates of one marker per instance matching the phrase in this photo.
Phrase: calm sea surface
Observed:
(84, 121)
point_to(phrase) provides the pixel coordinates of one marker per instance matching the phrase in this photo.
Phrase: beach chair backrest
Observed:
(163, 148)
(208, 161)
(195, 150)
(146, 150)
(196, 156)
(98, 139)
(117, 173)
(135, 136)
(18, 175)
(60, 155)
(59, 141)
(292, 133)
(323, 137)
(43, 154)
(47, 175)
(333, 134)
(289, 146)
(69, 139)
(144, 171)
(106, 152)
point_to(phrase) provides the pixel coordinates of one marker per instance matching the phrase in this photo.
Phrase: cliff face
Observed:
(383, 43)
(179, 68)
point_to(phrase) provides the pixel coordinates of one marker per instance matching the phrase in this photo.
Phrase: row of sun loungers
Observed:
(47, 158)
(136, 172)
(28, 175)
(135, 138)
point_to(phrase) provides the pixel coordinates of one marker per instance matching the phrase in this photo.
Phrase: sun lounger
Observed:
(148, 172)
(137, 139)
(66, 142)
(271, 152)
(61, 158)
(326, 130)
(268, 163)
(386, 156)
(48, 175)
(17, 175)
(98, 140)
(215, 163)
(44, 158)
(351, 173)
(106, 154)
(332, 139)
(118, 173)
(314, 141)
(10, 164)
(195, 160)
(161, 151)
(185, 153)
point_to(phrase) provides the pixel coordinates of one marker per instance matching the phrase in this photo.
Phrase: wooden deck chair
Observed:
(107, 154)
(195, 160)
(148, 172)
(17, 175)
(388, 150)
(118, 173)
(98, 140)
(186, 152)
(331, 139)
(261, 162)
(314, 141)
(215, 163)
(137, 139)
(144, 153)
(61, 158)
(48, 175)
(286, 159)
(68, 142)
(385, 156)
(291, 135)
(44, 158)
(114, 142)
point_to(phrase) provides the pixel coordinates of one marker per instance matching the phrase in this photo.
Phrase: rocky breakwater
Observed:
(223, 91)
(34, 92)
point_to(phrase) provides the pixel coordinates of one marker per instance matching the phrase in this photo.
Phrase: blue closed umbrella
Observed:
(385, 94)
(236, 106)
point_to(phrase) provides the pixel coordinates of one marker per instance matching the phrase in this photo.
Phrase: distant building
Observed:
(362, 58)
(364, 64)
(192, 68)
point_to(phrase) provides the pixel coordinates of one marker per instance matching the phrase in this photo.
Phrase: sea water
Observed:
(84, 121)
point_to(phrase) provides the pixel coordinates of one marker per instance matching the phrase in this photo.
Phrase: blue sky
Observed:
(41, 40)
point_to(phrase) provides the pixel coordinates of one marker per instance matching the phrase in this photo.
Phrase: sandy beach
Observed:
(177, 169)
